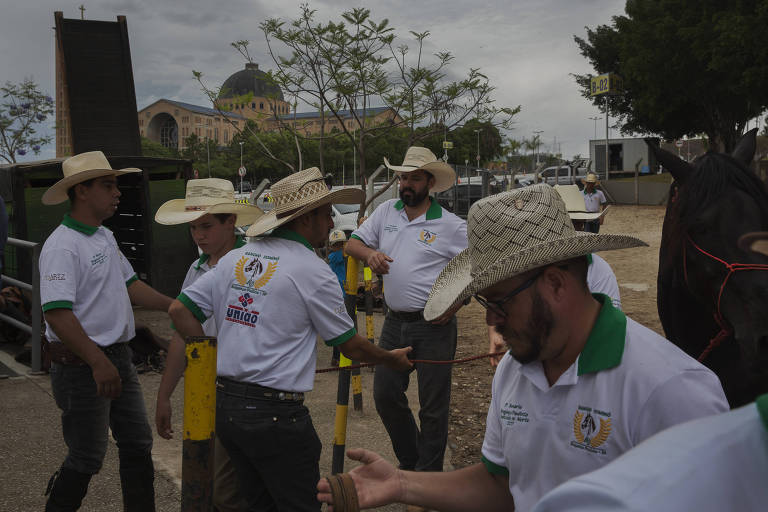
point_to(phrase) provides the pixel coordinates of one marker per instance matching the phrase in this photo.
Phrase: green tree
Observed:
(22, 108)
(151, 148)
(688, 66)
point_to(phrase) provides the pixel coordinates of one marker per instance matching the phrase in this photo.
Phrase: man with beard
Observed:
(581, 384)
(409, 241)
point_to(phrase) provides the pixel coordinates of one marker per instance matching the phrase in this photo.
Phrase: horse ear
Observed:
(680, 169)
(745, 148)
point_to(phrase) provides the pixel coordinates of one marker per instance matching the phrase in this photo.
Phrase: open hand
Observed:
(377, 482)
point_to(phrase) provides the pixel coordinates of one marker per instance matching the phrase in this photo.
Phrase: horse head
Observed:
(713, 201)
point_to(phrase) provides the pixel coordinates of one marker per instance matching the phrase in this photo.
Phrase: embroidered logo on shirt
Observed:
(427, 237)
(98, 259)
(391, 228)
(252, 274)
(241, 315)
(513, 413)
(586, 433)
(55, 277)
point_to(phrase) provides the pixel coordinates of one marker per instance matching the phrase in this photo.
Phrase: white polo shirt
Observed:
(270, 300)
(196, 270)
(82, 269)
(594, 200)
(420, 249)
(712, 464)
(601, 279)
(627, 384)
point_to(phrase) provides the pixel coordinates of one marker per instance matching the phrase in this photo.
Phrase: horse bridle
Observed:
(725, 329)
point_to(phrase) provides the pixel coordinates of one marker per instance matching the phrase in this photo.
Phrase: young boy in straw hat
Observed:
(212, 214)
(581, 383)
(270, 300)
(595, 202)
(86, 289)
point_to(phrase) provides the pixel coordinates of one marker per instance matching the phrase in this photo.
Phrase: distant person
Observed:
(86, 289)
(581, 383)
(595, 202)
(271, 299)
(338, 263)
(409, 241)
(210, 210)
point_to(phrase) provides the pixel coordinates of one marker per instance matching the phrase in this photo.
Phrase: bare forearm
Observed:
(175, 363)
(357, 249)
(69, 330)
(358, 348)
(185, 322)
(144, 295)
(470, 488)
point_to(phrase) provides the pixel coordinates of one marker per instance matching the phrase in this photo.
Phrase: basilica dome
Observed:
(250, 80)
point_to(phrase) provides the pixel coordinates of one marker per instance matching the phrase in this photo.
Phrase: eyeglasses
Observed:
(497, 306)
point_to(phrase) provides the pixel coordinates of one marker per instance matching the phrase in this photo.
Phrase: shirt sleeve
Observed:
(58, 279)
(691, 394)
(459, 239)
(327, 312)
(368, 232)
(602, 197)
(198, 297)
(601, 279)
(493, 448)
(581, 495)
(129, 275)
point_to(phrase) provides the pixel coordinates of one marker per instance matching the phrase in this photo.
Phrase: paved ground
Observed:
(31, 446)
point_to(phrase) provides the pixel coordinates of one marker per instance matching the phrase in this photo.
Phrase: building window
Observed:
(261, 106)
(176, 112)
(253, 105)
(148, 113)
(234, 123)
(216, 134)
(226, 136)
(197, 120)
(141, 122)
(169, 136)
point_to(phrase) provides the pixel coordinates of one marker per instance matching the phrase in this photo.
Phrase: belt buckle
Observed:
(282, 396)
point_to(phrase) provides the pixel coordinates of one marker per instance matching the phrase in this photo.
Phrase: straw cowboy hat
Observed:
(591, 178)
(80, 168)
(203, 197)
(298, 194)
(757, 241)
(510, 233)
(337, 236)
(421, 158)
(574, 203)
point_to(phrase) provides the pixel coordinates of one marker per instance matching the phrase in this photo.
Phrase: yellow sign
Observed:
(447, 144)
(606, 84)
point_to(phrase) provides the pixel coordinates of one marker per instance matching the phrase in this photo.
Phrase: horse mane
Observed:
(714, 173)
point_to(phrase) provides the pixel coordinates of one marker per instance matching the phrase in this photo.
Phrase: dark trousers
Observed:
(592, 226)
(417, 449)
(87, 417)
(274, 449)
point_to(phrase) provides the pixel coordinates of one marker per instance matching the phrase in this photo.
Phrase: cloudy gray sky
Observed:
(524, 46)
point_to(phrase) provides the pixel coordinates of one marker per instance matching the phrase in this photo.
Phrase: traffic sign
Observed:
(447, 144)
(679, 143)
(610, 84)
(241, 171)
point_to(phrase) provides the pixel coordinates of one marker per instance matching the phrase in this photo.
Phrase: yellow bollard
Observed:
(199, 424)
(368, 276)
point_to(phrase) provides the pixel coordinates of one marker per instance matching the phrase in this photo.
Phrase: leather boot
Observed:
(137, 477)
(66, 490)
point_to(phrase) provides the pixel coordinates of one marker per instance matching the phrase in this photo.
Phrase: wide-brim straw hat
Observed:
(422, 158)
(511, 233)
(337, 236)
(591, 178)
(203, 197)
(757, 241)
(298, 194)
(575, 204)
(80, 168)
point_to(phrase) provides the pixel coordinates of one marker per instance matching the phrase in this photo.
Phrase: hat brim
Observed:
(456, 283)
(757, 241)
(445, 177)
(270, 220)
(57, 193)
(173, 212)
(587, 216)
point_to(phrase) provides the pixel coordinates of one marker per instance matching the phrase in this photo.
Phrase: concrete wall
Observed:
(623, 192)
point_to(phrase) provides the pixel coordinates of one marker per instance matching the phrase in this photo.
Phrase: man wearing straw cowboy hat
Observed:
(409, 241)
(86, 289)
(212, 214)
(595, 202)
(581, 383)
(600, 276)
(270, 299)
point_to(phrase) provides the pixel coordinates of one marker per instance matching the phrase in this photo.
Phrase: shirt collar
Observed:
(288, 234)
(78, 226)
(605, 345)
(239, 242)
(435, 211)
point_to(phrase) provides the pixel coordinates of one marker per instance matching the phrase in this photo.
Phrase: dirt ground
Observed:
(635, 271)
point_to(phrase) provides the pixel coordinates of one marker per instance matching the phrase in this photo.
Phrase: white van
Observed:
(563, 175)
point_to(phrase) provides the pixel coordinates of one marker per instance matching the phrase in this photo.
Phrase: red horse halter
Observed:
(725, 329)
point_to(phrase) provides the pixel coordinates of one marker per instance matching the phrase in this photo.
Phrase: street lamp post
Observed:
(478, 147)
(241, 166)
(595, 119)
(537, 141)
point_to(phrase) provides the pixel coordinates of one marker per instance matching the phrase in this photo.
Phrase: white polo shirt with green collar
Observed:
(601, 279)
(420, 249)
(198, 268)
(627, 384)
(270, 300)
(82, 269)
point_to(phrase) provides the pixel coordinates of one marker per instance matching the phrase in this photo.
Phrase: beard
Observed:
(410, 198)
(526, 345)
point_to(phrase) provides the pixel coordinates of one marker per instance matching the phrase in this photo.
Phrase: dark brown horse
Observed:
(712, 295)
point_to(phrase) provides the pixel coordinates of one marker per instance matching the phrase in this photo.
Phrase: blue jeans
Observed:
(274, 449)
(86, 417)
(424, 449)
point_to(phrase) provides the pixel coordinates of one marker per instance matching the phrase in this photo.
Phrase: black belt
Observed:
(248, 390)
(407, 316)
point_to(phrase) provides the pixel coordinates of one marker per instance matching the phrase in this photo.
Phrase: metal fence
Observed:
(34, 329)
